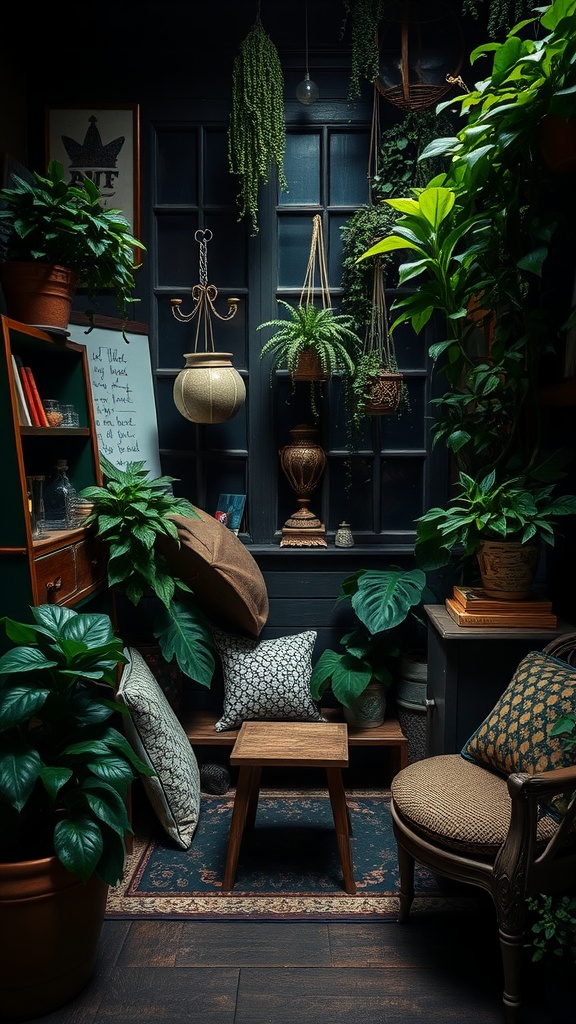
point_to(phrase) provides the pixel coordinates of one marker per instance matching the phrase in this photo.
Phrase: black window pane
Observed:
(302, 170)
(402, 482)
(177, 180)
(220, 186)
(348, 168)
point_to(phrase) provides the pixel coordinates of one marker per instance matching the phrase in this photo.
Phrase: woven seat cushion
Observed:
(457, 804)
(219, 569)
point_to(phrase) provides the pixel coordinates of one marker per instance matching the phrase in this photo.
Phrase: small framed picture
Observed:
(230, 511)
(102, 143)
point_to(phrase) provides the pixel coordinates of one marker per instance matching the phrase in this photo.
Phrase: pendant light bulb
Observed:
(307, 91)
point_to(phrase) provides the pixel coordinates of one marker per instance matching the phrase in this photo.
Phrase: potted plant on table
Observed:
(64, 775)
(131, 514)
(57, 232)
(502, 525)
(381, 601)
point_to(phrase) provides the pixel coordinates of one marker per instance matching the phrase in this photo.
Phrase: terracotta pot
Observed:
(209, 389)
(507, 568)
(309, 367)
(37, 293)
(367, 710)
(384, 394)
(50, 926)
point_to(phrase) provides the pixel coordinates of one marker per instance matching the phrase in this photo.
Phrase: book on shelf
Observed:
(501, 619)
(475, 599)
(42, 418)
(36, 409)
(24, 417)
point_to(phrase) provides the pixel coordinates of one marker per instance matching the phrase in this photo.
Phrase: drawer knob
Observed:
(52, 589)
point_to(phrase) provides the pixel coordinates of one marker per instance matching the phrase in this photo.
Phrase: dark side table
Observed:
(468, 670)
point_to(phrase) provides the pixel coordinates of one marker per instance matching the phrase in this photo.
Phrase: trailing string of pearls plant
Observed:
(256, 130)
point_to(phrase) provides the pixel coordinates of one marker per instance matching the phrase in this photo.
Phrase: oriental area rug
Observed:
(288, 868)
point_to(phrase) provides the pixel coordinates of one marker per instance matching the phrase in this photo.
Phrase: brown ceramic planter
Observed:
(309, 367)
(50, 925)
(507, 568)
(37, 293)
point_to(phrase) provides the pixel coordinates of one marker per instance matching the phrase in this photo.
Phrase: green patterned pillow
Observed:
(515, 736)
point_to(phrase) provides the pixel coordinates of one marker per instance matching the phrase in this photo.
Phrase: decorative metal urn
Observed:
(303, 462)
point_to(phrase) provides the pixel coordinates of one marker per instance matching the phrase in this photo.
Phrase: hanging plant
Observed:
(501, 14)
(256, 129)
(363, 16)
(309, 330)
(377, 387)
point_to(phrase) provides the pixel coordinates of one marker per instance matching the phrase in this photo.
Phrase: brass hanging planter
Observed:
(208, 389)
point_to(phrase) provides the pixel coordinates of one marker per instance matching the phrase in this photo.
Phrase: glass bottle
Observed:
(59, 498)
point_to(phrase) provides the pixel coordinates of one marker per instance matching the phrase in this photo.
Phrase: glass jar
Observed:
(59, 499)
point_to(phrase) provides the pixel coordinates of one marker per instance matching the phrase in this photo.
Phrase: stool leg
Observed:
(340, 813)
(253, 798)
(239, 814)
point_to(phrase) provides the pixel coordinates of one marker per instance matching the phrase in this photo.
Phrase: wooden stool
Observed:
(289, 745)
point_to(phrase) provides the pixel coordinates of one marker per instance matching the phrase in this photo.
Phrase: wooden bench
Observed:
(199, 727)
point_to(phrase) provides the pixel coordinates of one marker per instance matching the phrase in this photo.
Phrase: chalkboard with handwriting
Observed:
(122, 391)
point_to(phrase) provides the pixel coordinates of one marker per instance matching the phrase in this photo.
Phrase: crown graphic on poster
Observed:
(93, 154)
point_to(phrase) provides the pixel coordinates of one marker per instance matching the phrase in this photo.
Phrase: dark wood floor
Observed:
(442, 967)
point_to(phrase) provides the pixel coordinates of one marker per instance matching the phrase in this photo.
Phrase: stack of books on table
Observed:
(471, 606)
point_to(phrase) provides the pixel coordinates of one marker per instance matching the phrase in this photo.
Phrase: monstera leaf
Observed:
(383, 598)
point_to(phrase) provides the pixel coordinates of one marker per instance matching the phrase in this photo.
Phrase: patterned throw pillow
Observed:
(266, 680)
(159, 739)
(515, 736)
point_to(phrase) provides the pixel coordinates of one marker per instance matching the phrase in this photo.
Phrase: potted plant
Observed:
(309, 330)
(483, 516)
(46, 223)
(131, 513)
(381, 601)
(65, 770)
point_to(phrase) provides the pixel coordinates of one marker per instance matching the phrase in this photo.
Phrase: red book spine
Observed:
(40, 415)
(29, 397)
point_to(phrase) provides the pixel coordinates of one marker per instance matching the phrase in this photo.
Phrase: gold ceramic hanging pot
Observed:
(208, 389)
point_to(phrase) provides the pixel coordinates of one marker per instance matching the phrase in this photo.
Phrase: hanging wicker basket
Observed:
(384, 395)
(421, 51)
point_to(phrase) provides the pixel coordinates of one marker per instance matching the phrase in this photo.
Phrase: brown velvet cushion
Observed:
(223, 575)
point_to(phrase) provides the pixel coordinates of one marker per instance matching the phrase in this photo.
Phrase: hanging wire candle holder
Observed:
(208, 389)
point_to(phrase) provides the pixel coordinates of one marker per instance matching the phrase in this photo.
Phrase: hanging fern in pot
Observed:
(256, 129)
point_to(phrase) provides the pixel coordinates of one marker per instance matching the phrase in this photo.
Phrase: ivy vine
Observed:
(256, 129)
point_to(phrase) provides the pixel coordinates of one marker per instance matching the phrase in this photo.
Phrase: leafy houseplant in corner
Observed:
(515, 516)
(64, 776)
(130, 513)
(381, 601)
(48, 223)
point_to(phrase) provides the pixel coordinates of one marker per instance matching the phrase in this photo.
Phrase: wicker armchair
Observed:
(491, 830)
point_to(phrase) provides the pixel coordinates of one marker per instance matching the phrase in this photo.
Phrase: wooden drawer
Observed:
(70, 573)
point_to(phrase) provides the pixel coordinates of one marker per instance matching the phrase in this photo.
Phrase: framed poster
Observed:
(102, 143)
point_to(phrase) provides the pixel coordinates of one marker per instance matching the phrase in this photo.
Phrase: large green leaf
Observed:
(183, 633)
(385, 597)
